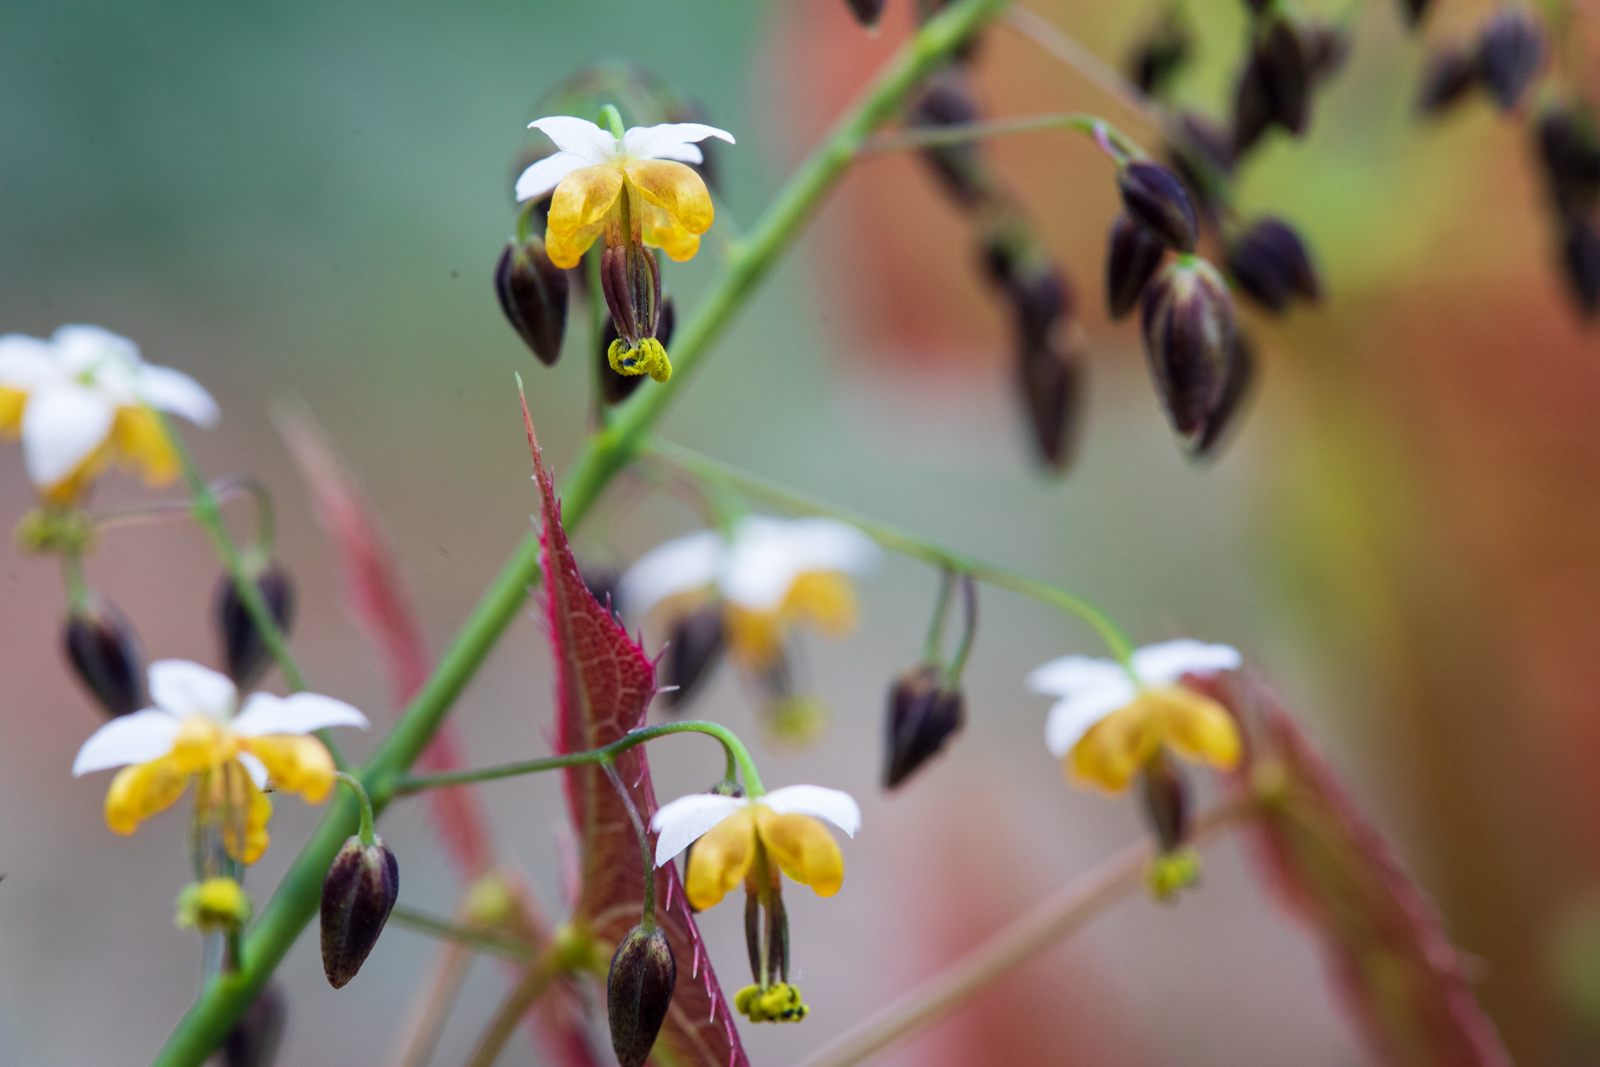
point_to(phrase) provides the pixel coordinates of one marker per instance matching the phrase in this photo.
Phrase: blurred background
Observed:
(307, 201)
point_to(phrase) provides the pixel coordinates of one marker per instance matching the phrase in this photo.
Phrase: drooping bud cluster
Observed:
(244, 650)
(103, 648)
(925, 712)
(1133, 254)
(1569, 149)
(1504, 60)
(1190, 339)
(358, 893)
(639, 992)
(1154, 198)
(533, 294)
(1289, 57)
(1163, 51)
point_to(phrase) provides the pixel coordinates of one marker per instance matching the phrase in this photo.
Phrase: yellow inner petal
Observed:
(141, 445)
(826, 599)
(754, 638)
(675, 189)
(578, 211)
(661, 230)
(1113, 749)
(1197, 727)
(143, 790)
(803, 849)
(720, 859)
(300, 765)
(12, 401)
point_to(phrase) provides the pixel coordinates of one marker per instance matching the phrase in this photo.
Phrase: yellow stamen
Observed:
(143, 790)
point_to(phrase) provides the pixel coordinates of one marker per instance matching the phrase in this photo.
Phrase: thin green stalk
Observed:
(480, 938)
(78, 597)
(544, 971)
(647, 916)
(597, 333)
(933, 644)
(896, 540)
(966, 133)
(366, 832)
(969, 631)
(206, 1023)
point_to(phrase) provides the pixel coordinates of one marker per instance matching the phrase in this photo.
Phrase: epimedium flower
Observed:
(195, 728)
(1111, 720)
(85, 399)
(770, 575)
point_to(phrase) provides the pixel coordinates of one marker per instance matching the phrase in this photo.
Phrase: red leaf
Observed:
(604, 683)
(1403, 981)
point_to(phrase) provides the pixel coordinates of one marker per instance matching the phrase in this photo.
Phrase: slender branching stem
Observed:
(969, 629)
(366, 832)
(647, 917)
(966, 133)
(1096, 71)
(545, 970)
(424, 1027)
(78, 598)
(478, 938)
(933, 644)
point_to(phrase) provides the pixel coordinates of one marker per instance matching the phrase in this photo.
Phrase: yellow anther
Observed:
(650, 357)
(778, 1003)
(214, 906)
(1171, 873)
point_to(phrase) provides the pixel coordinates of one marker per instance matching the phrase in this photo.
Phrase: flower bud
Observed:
(1133, 253)
(1162, 53)
(693, 649)
(1157, 200)
(1326, 47)
(924, 713)
(1581, 257)
(1569, 147)
(867, 12)
(1509, 54)
(1270, 263)
(1166, 802)
(533, 295)
(1201, 153)
(214, 906)
(1241, 380)
(243, 648)
(105, 653)
(614, 387)
(254, 1039)
(1451, 74)
(357, 895)
(1415, 11)
(1052, 386)
(948, 101)
(1275, 85)
(1188, 324)
(638, 993)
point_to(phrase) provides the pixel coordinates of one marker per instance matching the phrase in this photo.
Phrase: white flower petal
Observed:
(546, 174)
(185, 689)
(1070, 674)
(255, 768)
(769, 554)
(27, 362)
(137, 738)
(683, 153)
(1165, 663)
(80, 347)
(650, 142)
(835, 805)
(61, 427)
(1071, 717)
(174, 391)
(674, 567)
(680, 823)
(579, 137)
(299, 713)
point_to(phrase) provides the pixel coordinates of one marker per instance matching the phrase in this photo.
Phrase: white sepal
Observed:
(656, 142)
(1069, 674)
(680, 823)
(677, 566)
(1165, 663)
(171, 390)
(299, 713)
(835, 805)
(61, 427)
(255, 768)
(543, 176)
(185, 689)
(578, 137)
(26, 362)
(137, 738)
(769, 554)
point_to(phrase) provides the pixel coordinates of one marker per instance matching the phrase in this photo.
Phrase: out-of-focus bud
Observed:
(214, 906)
(614, 387)
(1509, 54)
(1053, 386)
(1188, 321)
(255, 1038)
(1241, 381)
(1161, 53)
(693, 649)
(357, 896)
(105, 653)
(1415, 11)
(1275, 85)
(1132, 255)
(1580, 254)
(1157, 200)
(867, 12)
(1451, 74)
(1569, 147)
(1166, 802)
(638, 993)
(1049, 373)
(533, 295)
(1326, 47)
(924, 713)
(1201, 153)
(1270, 263)
(948, 101)
(244, 651)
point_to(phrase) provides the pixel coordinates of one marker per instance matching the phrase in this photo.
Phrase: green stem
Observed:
(544, 970)
(365, 801)
(896, 540)
(206, 1023)
(480, 938)
(969, 601)
(597, 333)
(647, 915)
(966, 133)
(78, 597)
(933, 644)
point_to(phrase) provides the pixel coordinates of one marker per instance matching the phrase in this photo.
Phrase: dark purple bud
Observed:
(867, 12)
(1235, 395)
(1053, 386)
(104, 650)
(692, 651)
(1569, 147)
(1162, 52)
(1189, 341)
(614, 387)
(638, 993)
(1157, 200)
(1253, 109)
(1133, 254)
(1580, 255)
(533, 295)
(948, 101)
(1166, 802)
(1040, 298)
(1256, 6)
(924, 713)
(1451, 74)
(254, 1039)
(1509, 55)
(1415, 11)
(631, 278)
(1327, 47)
(357, 896)
(244, 651)
(1271, 265)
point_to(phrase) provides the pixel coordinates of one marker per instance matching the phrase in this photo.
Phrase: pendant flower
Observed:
(193, 731)
(734, 837)
(772, 574)
(634, 188)
(1111, 720)
(83, 399)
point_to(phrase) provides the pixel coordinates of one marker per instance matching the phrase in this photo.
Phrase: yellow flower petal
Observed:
(299, 765)
(674, 188)
(578, 211)
(1196, 726)
(826, 599)
(662, 231)
(755, 638)
(1114, 748)
(803, 849)
(12, 401)
(234, 804)
(141, 445)
(202, 745)
(720, 859)
(70, 490)
(143, 790)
